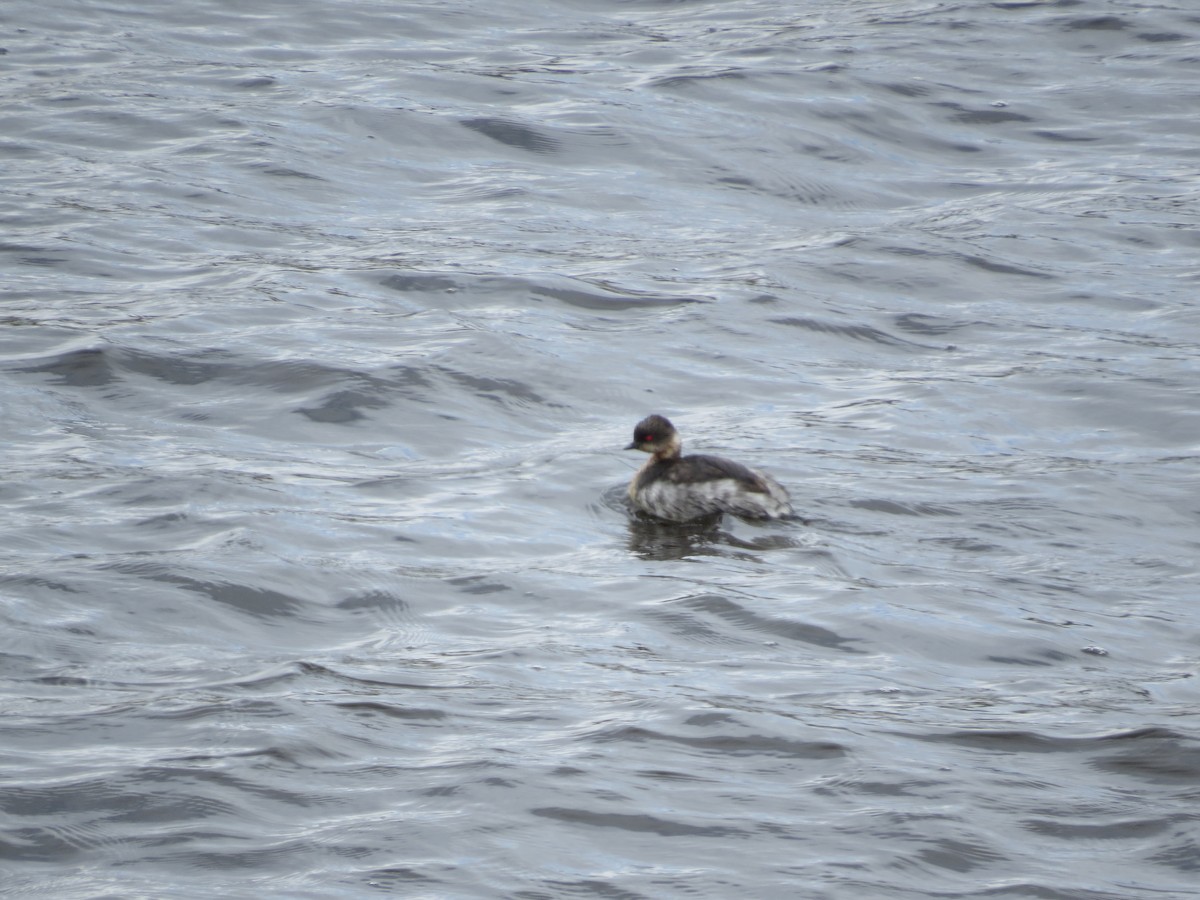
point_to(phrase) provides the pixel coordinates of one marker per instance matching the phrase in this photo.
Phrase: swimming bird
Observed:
(682, 488)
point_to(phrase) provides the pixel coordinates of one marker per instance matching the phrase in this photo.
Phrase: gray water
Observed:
(324, 325)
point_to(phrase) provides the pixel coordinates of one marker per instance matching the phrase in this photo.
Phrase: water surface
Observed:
(323, 328)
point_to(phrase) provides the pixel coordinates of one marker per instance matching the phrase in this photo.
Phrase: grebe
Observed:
(681, 488)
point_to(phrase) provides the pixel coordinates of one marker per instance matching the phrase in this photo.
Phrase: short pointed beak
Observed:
(632, 446)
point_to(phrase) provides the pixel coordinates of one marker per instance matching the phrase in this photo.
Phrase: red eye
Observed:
(647, 438)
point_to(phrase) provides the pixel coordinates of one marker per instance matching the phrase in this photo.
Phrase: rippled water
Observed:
(324, 325)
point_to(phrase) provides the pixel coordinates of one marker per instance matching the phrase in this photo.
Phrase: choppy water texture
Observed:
(324, 325)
